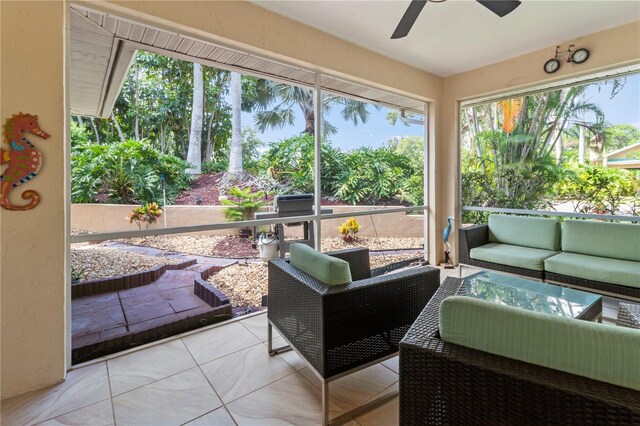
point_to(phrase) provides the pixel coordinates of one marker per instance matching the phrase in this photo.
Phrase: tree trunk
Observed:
(194, 154)
(135, 100)
(80, 122)
(115, 121)
(95, 130)
(581, 145)
(235, 154)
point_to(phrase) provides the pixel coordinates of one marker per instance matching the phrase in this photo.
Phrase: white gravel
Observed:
(104, 262)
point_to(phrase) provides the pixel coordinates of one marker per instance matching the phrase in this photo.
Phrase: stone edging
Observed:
(124, 282)
(208, 293)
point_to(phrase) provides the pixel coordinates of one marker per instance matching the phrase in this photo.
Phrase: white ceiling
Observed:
(458, 35)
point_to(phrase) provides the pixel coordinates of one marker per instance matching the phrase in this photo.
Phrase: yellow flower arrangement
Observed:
(349, 229)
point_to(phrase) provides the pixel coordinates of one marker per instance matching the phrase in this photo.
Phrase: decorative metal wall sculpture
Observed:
(23, 158)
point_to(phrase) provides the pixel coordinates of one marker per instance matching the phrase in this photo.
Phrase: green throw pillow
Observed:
(325, 268)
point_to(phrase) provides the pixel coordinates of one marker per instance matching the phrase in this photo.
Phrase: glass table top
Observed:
(526, 294)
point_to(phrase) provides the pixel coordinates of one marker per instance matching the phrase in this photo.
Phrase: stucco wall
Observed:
(32, 243)
(111, 218)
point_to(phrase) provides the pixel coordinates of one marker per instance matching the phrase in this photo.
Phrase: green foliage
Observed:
(243, 204)
(220, 164)
(128, 171)
(620, 136)
(363, 175)
(371, 175)
(79, 134)
(597, 189)
(78, 274)
(291, 162)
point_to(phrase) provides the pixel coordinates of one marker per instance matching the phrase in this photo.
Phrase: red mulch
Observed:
(234, 247)
(207, 187)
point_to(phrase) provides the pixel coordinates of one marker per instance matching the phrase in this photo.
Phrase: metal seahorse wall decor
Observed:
(22, 158)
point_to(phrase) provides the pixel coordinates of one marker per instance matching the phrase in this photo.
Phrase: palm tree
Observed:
(235, 152)
(275, 103)
(194, 155)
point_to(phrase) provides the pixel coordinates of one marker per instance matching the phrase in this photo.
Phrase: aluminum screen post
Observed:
(317, 135)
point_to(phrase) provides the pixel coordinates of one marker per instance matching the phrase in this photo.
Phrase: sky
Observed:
(374, 133)
(624, 108)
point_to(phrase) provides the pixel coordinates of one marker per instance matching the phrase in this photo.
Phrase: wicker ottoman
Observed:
(629, 315)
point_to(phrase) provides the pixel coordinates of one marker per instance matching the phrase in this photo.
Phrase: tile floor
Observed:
(218, 376)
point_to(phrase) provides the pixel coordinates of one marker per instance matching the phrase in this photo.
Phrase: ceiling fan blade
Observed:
(500, 7)
(409, 18)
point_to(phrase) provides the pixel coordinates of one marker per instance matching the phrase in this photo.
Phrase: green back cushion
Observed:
(322, 267)
(602, 352)
(534, 232)
(613, 240)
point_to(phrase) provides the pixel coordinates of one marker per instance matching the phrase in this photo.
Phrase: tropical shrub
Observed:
(291, 162)
(148, 214)
(243, 204)
(370, 175)
(594, 188)
(128, 172)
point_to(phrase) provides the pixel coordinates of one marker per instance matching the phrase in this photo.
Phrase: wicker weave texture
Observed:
(628, 315)
(338, 328)
(446, 384)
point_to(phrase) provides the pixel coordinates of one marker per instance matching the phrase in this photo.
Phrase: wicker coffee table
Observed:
(527, 294)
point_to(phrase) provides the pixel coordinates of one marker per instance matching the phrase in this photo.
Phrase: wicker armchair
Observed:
(446, 384)
(341, 329)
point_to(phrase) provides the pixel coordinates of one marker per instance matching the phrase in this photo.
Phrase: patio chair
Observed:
(340, 329)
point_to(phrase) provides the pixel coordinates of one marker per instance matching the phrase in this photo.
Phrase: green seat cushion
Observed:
(505, 254)
(329, 270)
(613, 271)
(534, 232)
(602, 352)
(613, 240)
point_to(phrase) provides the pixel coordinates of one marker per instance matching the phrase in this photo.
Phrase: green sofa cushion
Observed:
(613, 240)
(613, 271)
(329, 270)
(505, 254)
(534, 232)
(602, 352)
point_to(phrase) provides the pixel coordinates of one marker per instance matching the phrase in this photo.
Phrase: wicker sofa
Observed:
(600, 256)
(456, 383)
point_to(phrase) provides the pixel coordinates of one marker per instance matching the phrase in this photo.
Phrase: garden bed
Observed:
(102, 262)
(236, 247)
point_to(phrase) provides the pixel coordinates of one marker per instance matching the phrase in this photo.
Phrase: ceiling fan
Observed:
(499, 7)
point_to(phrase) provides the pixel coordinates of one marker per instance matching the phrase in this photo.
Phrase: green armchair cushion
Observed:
(517, 256)
(329, 270)
(598, 351)
(612, 240)
(612, 271)
(534, 232)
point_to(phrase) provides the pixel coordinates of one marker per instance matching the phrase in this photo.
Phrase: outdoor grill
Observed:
(290, 206)
(294, 205)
